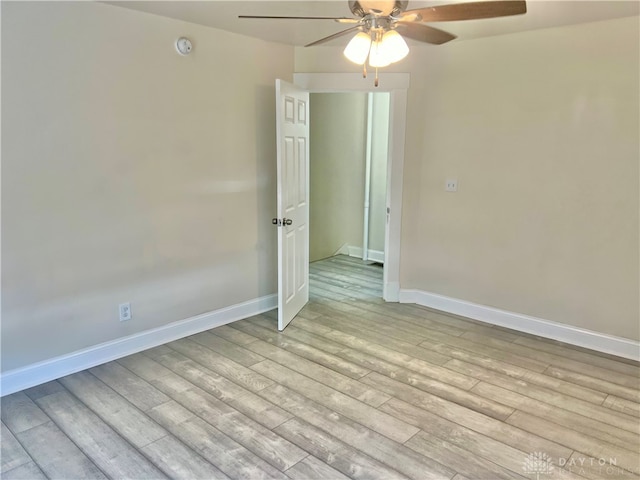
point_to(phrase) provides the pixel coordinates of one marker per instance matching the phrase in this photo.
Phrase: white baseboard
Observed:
(351, 251)
(45, 371)
(375, 256)
(622, 347)
(391, 292)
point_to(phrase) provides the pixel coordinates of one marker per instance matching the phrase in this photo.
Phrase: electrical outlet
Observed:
(125, 311)
(451, 185)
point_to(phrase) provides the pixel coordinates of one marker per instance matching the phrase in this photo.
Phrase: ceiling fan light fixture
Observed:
(394, 46)
(390, 48)
(378, 56)
(357, 50)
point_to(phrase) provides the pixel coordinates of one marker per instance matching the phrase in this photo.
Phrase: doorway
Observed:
(396, 84)
(348, 177)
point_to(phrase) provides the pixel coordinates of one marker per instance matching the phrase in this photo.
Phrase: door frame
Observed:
(397, 85)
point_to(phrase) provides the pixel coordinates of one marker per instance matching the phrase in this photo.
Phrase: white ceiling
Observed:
(224, 15)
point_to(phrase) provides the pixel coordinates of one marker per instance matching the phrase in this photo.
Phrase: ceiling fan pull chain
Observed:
(364, 70)
(376, 82)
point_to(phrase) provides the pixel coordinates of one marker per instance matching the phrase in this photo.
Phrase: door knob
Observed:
(279, 223)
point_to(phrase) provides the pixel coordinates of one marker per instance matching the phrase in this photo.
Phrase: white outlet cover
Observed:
(124, 310)
(451, 185)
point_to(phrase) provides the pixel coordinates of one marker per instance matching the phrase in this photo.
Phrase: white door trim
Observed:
(396, 84)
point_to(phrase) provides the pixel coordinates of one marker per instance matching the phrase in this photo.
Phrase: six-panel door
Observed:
(292, 127)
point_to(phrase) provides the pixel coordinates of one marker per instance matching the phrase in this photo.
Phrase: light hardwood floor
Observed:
(353, 388)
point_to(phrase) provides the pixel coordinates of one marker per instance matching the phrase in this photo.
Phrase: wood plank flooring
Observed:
(353, 388)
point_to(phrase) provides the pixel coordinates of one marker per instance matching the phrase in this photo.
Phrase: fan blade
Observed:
(337, 19)
(466, 11)
(335, 35)
(424, 33)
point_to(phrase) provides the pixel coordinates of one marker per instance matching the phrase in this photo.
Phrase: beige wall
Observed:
(130, 173)
(541, 130)
(337, 161)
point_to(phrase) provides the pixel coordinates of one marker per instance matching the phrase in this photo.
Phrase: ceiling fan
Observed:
(378, 25)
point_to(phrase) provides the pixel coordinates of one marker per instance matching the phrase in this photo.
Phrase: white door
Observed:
(292, 130)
